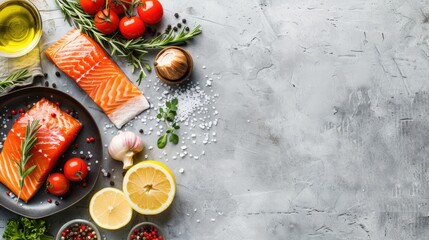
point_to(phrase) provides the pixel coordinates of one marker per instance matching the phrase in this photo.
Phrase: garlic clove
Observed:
(124, 146)
(173, 65)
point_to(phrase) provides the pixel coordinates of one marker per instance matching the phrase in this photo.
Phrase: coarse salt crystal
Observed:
(181, 170)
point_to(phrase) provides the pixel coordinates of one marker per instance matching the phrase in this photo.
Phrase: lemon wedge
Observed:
(110, 209)
(149, 187)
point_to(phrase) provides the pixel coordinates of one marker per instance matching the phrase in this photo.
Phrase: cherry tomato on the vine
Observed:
(57, 184)
(92, 6)
(106, 21)
(75, 169)
(118, 5)
(150, 11)
(131, 27)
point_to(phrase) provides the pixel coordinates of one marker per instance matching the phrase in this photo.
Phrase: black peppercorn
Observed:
(46, 84)
(179, 25)
(57, 74)
(54, 85)
(176, 15)
(112, 183)
(175, 29)
(184, 21)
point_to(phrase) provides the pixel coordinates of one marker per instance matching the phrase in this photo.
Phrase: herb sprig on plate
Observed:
(14, 78)
(168, 114)
(132, 50)
(29, 142)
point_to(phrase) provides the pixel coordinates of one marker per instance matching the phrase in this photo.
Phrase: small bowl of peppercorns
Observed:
(147, 231)
(78, 229)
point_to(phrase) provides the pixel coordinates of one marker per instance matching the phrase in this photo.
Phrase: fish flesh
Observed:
(83, 60)
(57, 131)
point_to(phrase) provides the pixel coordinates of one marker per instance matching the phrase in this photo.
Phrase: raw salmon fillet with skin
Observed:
(57, 131)
(91, 68)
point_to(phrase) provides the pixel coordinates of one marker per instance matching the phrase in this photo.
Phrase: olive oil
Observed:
(20, 27)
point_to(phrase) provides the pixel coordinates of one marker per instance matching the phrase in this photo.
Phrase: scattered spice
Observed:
(46, 84)
(141, 131)
(13, 112)
(54, 85)
(184, 21)
(112, 183)
(57, 74)
(176, 15)
(45, 75)
(179, 25)
(175, 29)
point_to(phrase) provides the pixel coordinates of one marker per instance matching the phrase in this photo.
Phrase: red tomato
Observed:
(150, 11)
(131, 27)
(57, 184)
(118, 5)
(75, 169)
(106, 21)
(92, 6)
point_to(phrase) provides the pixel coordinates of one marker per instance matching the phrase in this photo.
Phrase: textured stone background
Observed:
(337, 97)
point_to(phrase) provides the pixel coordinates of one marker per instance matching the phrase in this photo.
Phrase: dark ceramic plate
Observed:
(38, 206)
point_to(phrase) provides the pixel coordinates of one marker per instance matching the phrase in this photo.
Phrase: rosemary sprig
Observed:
(131, 50)
(169, 116)
(30, 140)
(14, 78)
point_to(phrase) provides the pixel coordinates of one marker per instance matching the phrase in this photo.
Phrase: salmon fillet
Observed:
(91, 68)
(58, 130)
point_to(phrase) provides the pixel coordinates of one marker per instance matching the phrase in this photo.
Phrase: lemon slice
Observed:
(149, 187)
(110, 209)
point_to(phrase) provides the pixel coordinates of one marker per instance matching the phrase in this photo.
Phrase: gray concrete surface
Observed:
(323, 122)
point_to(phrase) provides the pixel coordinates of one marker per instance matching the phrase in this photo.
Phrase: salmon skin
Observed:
(57, 131)
(91, 68)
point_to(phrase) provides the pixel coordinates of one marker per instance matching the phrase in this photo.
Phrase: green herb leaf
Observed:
(162, 141)
(159, 116)
(26, 229)
(14, 78)
(174, 138)
(28, 171)
(29, 142)
(169, 115)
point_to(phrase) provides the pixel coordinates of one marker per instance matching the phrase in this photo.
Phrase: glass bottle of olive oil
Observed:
(19, 26)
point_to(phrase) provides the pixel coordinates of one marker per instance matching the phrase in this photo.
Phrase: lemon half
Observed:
(110, 209)
(149, 187)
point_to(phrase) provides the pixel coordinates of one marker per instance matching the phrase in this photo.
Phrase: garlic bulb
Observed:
(173, 65)
(123, 146)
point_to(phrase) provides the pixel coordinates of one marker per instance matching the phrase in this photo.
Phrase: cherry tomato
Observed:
(92, 6)
(106, 21)
(131, 27)
(150, 11)
(75, 169)
(118, 5)
(57, 184)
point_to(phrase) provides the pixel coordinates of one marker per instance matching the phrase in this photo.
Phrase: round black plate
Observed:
(38, 206)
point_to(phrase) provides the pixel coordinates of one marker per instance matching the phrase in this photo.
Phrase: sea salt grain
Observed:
(181, 170)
